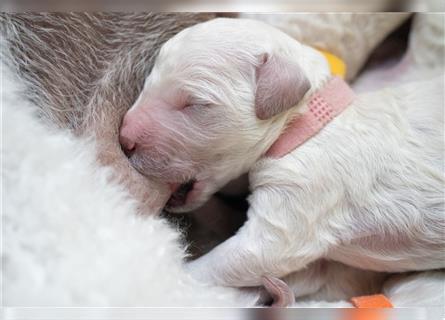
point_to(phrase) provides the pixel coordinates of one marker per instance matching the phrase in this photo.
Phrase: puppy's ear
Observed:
(281, 84)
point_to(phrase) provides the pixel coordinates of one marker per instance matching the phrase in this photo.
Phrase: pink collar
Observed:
(324, 105)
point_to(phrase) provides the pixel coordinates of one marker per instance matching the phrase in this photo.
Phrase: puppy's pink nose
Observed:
(128, 143)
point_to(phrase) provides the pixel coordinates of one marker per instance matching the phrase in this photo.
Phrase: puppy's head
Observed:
(216, 99)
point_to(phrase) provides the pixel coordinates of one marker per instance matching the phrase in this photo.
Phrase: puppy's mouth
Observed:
(180, 194)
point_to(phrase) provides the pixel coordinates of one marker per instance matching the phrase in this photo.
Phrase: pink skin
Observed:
(145, 130)
(136, 120)
(280, 292)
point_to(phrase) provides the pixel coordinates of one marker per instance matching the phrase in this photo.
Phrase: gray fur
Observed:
(85, 70)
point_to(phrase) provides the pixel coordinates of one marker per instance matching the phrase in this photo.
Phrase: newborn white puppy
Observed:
(366, 190)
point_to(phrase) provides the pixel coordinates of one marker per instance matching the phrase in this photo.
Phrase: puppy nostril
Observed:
(128, 146)
(129, 152)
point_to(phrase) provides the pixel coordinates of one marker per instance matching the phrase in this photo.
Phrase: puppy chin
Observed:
(188, 206)
(190, 199)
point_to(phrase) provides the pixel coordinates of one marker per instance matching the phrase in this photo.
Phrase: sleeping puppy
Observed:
(333, 176)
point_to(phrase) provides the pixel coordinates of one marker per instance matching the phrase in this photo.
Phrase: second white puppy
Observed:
(355, 179)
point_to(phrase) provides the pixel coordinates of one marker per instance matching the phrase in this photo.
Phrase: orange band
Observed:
(374, 301)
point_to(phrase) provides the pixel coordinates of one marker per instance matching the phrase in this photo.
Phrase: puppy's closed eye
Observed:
(196, 105)
(193, 99)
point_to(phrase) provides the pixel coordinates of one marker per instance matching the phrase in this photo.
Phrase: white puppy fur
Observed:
(366, 191)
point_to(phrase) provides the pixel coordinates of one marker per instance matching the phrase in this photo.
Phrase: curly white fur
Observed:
(72, 238)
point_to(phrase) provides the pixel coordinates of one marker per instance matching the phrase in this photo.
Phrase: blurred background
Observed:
(227, 5)
(221, 314)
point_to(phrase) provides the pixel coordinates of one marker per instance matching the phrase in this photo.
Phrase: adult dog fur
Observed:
(84, 71)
